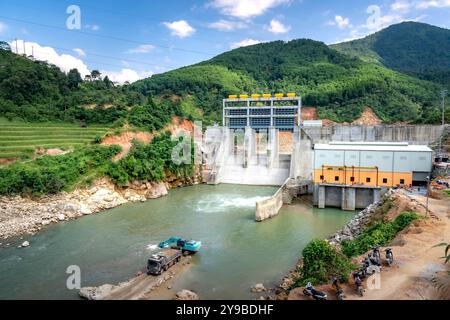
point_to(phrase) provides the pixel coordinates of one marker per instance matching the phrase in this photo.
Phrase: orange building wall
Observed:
(376, 180)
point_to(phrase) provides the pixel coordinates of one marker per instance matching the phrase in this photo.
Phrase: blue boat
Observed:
(190, 246)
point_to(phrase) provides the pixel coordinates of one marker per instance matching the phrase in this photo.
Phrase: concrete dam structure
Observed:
(244, 157)
(343, 166)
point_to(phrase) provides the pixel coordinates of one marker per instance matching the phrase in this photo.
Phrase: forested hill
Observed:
(36, 91)
(338, 84)
(418, 49)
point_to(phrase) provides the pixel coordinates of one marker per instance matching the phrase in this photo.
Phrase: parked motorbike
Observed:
(375, 256)
(339, 292)
(309, 291)
(389, 256)
(359, 285)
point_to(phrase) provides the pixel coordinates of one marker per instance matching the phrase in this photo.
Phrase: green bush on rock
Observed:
(321, 262)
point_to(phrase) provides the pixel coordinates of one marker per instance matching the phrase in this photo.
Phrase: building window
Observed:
(352, 179)
(402, 181)
(322, 177)
(385, 180)
(336, 178)
(368, 180)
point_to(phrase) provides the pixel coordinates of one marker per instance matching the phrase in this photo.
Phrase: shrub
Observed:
(321, 262)
(149, 162)
(54, 174)
(379, 234)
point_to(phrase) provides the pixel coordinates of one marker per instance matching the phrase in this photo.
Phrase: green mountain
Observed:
(341, 86)
(36, 91)
(418, 49)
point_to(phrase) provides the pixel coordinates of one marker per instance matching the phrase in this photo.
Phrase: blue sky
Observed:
(134, 39)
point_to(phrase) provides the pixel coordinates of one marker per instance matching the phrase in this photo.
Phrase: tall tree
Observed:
(5, 46)
(74, 78)
(95, 74)
(108, 83)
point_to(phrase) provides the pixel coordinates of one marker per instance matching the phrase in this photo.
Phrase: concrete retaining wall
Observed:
(269, 208)
(347, 198)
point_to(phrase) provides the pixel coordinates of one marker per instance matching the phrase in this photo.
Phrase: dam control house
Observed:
(261, 112)
(351, 175)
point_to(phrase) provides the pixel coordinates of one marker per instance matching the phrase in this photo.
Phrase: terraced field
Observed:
(20, 140)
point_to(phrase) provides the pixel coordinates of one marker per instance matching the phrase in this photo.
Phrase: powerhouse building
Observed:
(372, 164)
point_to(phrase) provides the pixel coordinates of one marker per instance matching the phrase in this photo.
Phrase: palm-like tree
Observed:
(447, 250)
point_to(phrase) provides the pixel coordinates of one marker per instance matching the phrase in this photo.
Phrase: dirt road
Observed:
(418, 268)
(141, 287)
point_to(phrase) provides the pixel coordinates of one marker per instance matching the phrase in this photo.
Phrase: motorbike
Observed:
(309, 291)
(375, 256)
(339, 292)
(359, 286)
(389, 256)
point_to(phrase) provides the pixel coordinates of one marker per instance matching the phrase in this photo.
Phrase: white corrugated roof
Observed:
(373, 146)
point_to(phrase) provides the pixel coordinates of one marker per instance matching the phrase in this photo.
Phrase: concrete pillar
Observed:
(376, 195)
(322, 197)
(273, 152)
(348, 199)
(249, 146)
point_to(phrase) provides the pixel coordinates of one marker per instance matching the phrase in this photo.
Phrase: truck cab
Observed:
(162, 261)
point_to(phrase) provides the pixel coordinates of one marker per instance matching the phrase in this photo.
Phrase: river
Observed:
(112, 246)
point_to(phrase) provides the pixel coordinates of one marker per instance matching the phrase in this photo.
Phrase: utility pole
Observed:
(428, 193)
(443, 95)
(17, 47)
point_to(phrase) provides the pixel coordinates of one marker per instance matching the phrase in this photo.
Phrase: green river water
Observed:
(112, 246)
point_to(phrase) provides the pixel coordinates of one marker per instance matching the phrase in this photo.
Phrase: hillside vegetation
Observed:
(339, 85)
(418, 49)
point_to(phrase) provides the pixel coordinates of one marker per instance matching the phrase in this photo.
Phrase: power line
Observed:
(134, 16)
(106, 36)
(101, 55)
(84, 60)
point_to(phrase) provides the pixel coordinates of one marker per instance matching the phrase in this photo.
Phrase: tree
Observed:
(5, 46)
(108, 83)
(447, 250)
(95, 74)
(74, 78)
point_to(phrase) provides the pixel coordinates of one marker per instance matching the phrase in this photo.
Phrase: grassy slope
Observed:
(20, 139)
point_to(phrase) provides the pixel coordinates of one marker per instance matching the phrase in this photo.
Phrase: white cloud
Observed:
(180, 29)
(426, 4)
(3, 27)
(340, 22)
(145, 48)
(227, 25)
(401, 6)
(80, 52)
(277, 27)
(126, 75)
(245, 43)
(245, 8)
(65, 62)
(92, 27)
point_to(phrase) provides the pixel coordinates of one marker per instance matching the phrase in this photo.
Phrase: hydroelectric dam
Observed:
(265, 142)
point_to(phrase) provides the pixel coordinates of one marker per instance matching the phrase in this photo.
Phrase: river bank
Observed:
(418, 264)
(22, 216)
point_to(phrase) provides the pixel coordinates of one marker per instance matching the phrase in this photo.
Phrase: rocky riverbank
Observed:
(391, 204)
(350, 231)
(24, 215)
